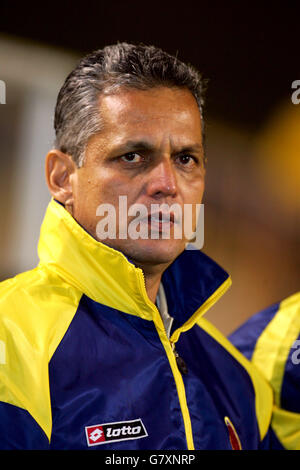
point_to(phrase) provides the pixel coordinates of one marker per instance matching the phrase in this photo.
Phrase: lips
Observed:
(162, 217)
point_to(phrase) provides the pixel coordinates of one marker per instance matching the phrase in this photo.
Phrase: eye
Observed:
(131, 157)
(187, 160)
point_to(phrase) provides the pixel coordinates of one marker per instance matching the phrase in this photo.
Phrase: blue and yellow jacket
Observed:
(271, 340)
(85, 362)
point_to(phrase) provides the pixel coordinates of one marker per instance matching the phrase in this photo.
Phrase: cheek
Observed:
(193, 193)
(100, 187)
(91, 186)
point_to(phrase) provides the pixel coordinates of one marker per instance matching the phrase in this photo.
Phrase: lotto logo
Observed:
(114, 432)
(95, 435)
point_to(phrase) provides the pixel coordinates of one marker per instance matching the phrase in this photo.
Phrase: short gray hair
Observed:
(105, 71)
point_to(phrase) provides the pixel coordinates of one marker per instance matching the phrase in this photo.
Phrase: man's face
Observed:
(150, 150)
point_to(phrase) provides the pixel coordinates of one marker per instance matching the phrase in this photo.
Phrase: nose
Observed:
(162, 181)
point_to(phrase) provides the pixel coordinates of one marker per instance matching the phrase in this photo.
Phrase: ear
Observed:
(60, 170)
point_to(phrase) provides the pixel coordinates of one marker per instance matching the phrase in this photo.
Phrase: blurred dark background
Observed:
(249, 51)
(250, 54)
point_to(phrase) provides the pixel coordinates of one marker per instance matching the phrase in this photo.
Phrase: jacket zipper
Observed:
(176, 374)
(179, 360)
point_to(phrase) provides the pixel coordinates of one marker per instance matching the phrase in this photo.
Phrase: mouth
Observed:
(156, 224)
(162, 217)
(162, 223)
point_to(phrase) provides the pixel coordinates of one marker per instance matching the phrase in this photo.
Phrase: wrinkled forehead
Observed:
(157, 120)
(157, 112)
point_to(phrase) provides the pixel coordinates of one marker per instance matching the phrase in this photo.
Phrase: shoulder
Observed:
(35, 307)
(35, 297)
(245, 337)
(267, 338)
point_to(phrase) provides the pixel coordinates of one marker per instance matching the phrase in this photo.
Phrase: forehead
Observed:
(157, 112)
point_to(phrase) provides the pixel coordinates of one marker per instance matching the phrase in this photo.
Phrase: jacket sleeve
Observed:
(19, 431)
(25, 406)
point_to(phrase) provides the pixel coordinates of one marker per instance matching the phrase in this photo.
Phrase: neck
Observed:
(152, 275)
(152, 284)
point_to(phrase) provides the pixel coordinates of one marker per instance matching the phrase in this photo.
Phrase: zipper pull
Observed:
(179, 361)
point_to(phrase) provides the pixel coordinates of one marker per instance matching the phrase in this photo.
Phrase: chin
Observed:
(152, 251)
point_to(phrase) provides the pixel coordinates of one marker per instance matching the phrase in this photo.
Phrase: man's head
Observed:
(104, 72)
(129, 123)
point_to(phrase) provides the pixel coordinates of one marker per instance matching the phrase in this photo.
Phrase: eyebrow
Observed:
(131, 145)
(134, 145)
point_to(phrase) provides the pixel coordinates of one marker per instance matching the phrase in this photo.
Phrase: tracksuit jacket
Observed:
(271, 340)
(85, 361)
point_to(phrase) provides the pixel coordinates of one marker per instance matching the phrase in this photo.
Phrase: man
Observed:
(104, 344)
(271, 340)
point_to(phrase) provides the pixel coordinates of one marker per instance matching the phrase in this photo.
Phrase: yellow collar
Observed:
(193, 282)
(102, 273)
